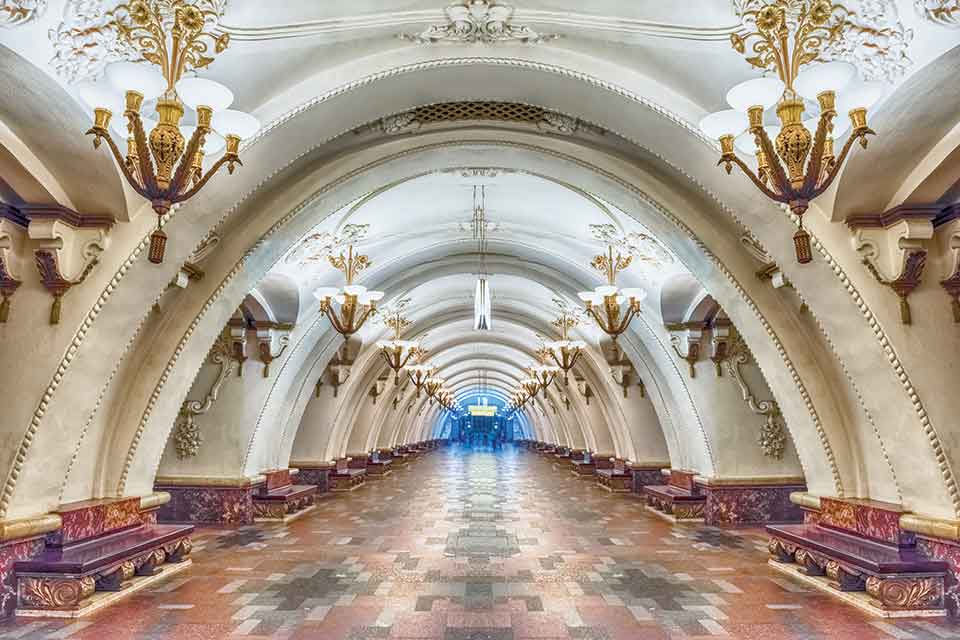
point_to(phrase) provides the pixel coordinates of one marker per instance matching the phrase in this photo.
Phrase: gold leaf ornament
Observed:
(736, 41)
(222, 43)
(140, 13)
(190, 18)
(769, 18)
(820, 12)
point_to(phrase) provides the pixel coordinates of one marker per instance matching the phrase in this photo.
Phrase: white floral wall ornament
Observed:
(315, 248)
(945, 13)
(478, 21)
(187, 437)
(874, 39)
(644, 248)
(773, 436)
(14, 13)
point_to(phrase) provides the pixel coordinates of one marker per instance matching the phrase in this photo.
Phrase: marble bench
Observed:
(584, 467)
(679, 499)
(617, 478)
(879, 570)
(343, 478)
(279, 499)
(63, 581)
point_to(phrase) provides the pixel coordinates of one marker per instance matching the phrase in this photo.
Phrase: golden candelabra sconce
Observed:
(396, 352)
(544, 375)
(612, 308)
(349, 307)
(164, 157)
(795, 159)
(565, 352)
(431, 386)
(419, 374)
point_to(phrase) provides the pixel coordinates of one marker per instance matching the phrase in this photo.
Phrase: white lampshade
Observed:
(340, 298)
(355, 289)
(764, 92)
(199, 91)
(214, 143)
(375, 296)
(589, 296)
(637, 294)
(119, 126)
(721, 123)
(746, 144)
(859, 94)
(829, 76)
(578, 344)
(142, 77)
(103, 95)
(619, 299)
(325, 293)
(605, 290)
(233, 122)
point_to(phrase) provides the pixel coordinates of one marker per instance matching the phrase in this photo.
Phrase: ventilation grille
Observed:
(503, 111)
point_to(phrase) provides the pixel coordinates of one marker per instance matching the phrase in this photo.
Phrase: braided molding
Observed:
(24, 446)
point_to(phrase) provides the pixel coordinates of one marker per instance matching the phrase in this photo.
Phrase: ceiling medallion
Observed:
(874, 39)
(478, 21)
(795, 159)
(644, 248)
(945, 13)
(14, 13)
(315, 248)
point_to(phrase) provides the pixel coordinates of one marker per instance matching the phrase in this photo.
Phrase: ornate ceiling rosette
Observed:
(14, 13)
(873, 38)
(478, 21)
(87, 39)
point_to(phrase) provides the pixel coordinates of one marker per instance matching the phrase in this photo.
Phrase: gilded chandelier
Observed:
(354, 303)
(397, 352)
(432, 386)
(544, 375)
(564, 352)
(605, 304)
(164, 165)
(419, 374)
(798, 163)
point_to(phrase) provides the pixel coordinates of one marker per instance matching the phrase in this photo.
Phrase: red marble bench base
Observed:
(284, 503)
(875, 565)
(617, 478)
(62, 580)
(379, 469)
(678, 500)
(343, 478)
(583, 469)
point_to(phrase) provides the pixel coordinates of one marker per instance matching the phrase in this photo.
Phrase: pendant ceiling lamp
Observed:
(482, 308)
(611, 307)
(350, 306)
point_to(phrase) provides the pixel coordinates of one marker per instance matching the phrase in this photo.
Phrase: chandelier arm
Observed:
(182, 173)
(596, 316)
(780, 180)
(816, 157)
(366, 314)
(203, 181)
(773, 195)
(121, 162)
(335, 321)
(625, 322)
(148, 174)
(835, 170)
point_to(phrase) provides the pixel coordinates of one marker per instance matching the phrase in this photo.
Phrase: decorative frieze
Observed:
(478, 22)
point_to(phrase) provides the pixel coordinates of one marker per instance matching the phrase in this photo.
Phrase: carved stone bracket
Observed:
(266, 332)
(9, 275)
(376, 389)
(584, 388)
(685, 340)
(952, 283)
(187, 437)
(624, 374)
(773, 437)
(69, 248)
(719, 344)
(893, 246)
(238, 343)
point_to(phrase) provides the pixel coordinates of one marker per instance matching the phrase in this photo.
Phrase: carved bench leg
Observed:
(906, 594)
(808, 564)
(179, 551)
(780, 551)
(842, 579)
(115, 580)
(54, 593)
(149, 564)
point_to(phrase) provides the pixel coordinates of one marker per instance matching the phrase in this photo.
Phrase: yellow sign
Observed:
(483, 410)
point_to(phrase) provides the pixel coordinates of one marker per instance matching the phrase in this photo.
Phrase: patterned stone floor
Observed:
(479, 546)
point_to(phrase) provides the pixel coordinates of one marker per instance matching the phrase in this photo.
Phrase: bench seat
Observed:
(679, 504)
(583, 469)
(284, 503)
(62, 580)
(896, 580)
(615, 480)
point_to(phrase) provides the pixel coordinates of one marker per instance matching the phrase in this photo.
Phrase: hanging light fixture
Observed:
(355, 303)
(544, 375)
(612, 317)
(431, 386)
(397, 352)
(164, 160)
(419, 374)
(798, 164)
(565, 352)
(482, 308)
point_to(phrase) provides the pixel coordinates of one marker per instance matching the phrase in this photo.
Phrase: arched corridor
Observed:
(322, 272)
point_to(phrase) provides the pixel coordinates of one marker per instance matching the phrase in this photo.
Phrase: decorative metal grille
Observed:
(452, 111)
